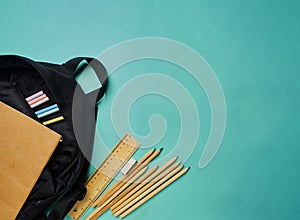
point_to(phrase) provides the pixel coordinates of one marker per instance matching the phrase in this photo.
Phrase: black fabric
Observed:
(62, 180)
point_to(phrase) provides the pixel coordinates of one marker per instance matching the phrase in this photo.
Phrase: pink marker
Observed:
(39, 102)
(34, 96)
(37, 99)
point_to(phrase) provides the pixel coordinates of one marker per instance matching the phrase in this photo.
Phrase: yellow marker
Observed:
(60, 118)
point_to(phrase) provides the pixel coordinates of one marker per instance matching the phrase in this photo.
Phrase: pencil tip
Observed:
(179, 167)
(161, 149)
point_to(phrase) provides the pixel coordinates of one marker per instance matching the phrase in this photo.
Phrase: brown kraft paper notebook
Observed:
(25, 148)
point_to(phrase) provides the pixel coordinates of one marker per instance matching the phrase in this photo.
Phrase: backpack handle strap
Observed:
(74, 67)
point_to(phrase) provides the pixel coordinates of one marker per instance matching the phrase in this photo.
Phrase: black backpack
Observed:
(61, 183)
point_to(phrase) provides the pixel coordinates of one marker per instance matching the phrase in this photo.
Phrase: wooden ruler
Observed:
(105, 173)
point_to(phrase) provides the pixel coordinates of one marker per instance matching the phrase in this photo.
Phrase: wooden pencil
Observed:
(134, 188)
(153, 193)
(100, 211)
(126, 178)
(129, 176)
(123, 187)
(142, 160)
(120, 183)
(93, 215)
(133, 185)
(144, 191)
(130, 190)
(108, 192)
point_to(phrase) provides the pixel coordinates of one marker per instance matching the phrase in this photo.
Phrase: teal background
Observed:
(253, 46)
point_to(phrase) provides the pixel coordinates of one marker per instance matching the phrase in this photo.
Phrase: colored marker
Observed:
(46, 109)
(60, 118)
(37, 99)
(48, 113)
(39, 102)
(34, 96)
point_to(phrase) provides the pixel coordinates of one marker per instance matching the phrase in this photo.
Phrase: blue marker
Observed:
(46, 109)
(48, 113)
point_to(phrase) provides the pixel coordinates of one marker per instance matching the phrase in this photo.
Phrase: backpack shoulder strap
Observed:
(78, 191)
